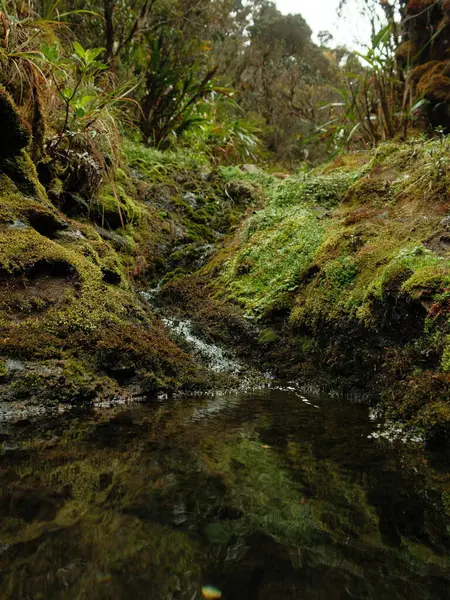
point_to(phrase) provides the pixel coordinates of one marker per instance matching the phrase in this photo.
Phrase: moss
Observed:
(432, 80)
(341, 273)
(68, 306)
(21, 170)
(268, 336)
(60, 381)
(15, 136)
(114, 206)
(427, 280)
(445, 363)
(259, 180)
(155, 165)
(406, 52)
(305, 346)
(188, 204)
(131, 349)
(355, 264)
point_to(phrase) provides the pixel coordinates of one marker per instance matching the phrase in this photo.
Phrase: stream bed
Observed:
(268, 495)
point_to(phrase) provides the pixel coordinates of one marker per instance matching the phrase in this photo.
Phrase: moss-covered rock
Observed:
(14, 133)
(68, 312)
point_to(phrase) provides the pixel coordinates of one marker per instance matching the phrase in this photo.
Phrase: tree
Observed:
(281, 77)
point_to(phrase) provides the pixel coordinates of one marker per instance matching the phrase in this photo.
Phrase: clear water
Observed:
(262, 495)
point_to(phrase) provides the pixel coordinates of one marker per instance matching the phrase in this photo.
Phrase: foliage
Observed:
(374, 104)
(171, 94)
(221, 132)
(91, 102)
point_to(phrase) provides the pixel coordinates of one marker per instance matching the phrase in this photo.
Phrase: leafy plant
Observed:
(376, 100)
(25, 71)
(91, 101)
(172, 92)
(74, 78)
(221, 133)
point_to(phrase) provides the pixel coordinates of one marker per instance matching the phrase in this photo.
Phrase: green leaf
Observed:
(79, 112)
(353, 131)
(51, 53)
(382, 36)
(78, 12)
(67, 93)
(418, 104)
(80, 51)
(84, 100)
(92, 54)
(100, 66)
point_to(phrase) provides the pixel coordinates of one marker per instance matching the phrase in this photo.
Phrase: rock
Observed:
(241, 192)
(46, 222)
(190, 199)
(71, 234)
(14, 366)
(445, 223)
(117, 240)
(18, 225)
(251, 169)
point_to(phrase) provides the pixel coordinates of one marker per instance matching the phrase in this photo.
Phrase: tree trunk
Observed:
(108, 10)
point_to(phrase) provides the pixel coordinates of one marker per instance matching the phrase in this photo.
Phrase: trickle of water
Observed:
(213, 356)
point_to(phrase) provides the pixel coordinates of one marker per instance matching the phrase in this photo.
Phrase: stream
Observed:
(272, 494)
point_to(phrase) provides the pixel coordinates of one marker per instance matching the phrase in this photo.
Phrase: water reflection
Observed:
(257, 496)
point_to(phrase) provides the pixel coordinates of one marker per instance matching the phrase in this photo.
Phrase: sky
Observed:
(321, 15)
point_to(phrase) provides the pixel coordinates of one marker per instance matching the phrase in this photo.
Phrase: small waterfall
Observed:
(213, 356)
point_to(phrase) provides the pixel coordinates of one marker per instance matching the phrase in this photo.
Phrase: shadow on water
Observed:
(262, 495)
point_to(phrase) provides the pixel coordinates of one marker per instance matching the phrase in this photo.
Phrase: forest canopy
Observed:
(232, 79)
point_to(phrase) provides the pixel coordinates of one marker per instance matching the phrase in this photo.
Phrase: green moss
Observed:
(352, 257)
(68, 302)
(405, 270)
(156, 166)
(115, 206)
(60, 381)
(15, 135)
(261, 179)
(268, 336)
(445, 363)
(428, 279)
(22, 175)
(341, 272)
(304, 345)
(278, 245)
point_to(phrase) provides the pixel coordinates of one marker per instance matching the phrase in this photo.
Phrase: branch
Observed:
(145, 10)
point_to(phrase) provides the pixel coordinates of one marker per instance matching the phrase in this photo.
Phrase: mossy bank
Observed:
(346, 273)
(340, 274)
(76, 246)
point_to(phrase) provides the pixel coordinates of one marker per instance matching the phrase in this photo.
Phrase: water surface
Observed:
(262, 495)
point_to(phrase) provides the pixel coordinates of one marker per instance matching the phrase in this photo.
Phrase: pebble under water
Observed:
(265, 495)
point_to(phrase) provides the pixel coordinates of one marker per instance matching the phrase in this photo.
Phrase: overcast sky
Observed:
(321, 15)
